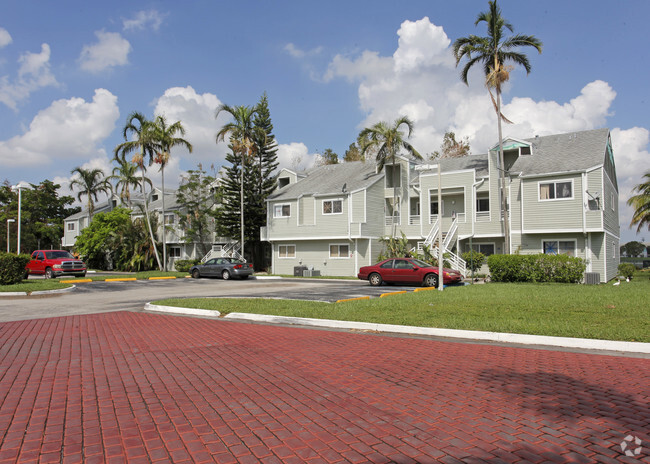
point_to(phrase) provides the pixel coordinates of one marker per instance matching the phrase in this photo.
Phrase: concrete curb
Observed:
(519, 339)
(40, 292)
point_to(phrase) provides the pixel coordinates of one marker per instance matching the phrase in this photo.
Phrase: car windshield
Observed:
(419, 263)
(57, 254)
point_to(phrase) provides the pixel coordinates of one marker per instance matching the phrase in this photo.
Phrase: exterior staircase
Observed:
(448, 237)
(230, 250)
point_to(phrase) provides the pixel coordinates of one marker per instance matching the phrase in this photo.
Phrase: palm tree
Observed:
(641, 204)
(91, 182)
(164, 136)
(126, 176)
(243, 133)
(142, 146)
(494, 52)
(386, 141)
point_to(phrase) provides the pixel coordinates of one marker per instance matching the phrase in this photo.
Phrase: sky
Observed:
(71, 72)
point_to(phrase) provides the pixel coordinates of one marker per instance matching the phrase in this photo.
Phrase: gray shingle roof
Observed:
(575, 151)
(330, 179)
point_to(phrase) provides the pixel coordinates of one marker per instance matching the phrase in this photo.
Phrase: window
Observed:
(485, 248)
(169, 218)
(482, 205)
(434, 207)
(387, 264)
(339, 251)
(70, 225)
(556, 190)
(154, 197)
(287, 251)
(282, 210)
(332, 206)
(392, 175)
(613, 202)
(174, 252)
(560, 247)
(283, 182)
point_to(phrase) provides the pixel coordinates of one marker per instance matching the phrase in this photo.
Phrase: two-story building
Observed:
(561, 190)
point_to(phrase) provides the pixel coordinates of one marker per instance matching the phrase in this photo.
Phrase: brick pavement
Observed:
(134, 387)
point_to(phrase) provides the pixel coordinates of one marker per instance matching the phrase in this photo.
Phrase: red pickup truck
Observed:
(55, 263)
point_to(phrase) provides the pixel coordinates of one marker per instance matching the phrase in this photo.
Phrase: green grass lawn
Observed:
(567, 310)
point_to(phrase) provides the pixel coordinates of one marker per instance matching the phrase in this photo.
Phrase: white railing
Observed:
(230, 250)
(433, 233)
(450, 234)
(414, 220)
(482, 216)
(390, 220)
(455, 261)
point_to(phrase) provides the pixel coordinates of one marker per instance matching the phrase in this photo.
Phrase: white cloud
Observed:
(111, 50)
(295, 156)
(421, 44)
(70, 129)
(5, 37)
(144, 19)
(298, 53)
(196, 112)
(34, 73)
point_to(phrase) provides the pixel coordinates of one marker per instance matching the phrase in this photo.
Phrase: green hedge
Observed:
(12, 268)
(184, 265)
(536, 268)
(626, 270)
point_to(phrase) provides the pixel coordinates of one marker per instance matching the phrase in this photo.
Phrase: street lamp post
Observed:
(19, 187)
(9, 221)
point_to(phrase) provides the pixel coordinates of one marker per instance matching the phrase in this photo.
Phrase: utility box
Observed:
(310, 273)
(299, 270)
(592, 278)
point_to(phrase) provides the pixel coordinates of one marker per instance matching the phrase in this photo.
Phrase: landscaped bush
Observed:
(536, 268)
(474, 260)
(184, 265)
(12, 268)
(626, 270)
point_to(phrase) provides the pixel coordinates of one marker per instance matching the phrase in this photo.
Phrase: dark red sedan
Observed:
(407, 271)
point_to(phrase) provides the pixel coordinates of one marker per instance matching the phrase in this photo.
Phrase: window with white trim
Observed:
(556, 190)
(485, 248)
(483, 204)
(613, 201)
(332, 206)
(282, 210)
(70, 226)
(287, 251)
(559, 247)
(174, 252)
(393, 175)
(340, 251)
(169, 218)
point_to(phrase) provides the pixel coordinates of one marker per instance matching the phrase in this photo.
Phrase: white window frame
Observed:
(332, 201)
(280, 207)
(478, 245)
(175, 252)
(338, 247)
(558, 240)
(613, 201)
(71, 226)
(287, 248)
(554, 183)
(170, 219)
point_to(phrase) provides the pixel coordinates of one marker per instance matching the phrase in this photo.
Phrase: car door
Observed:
(37, 265)
(386, 270)
(404, 272)
(209, 268)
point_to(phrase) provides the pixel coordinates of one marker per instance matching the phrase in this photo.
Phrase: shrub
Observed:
(536, 268)
(184, 265)
(626, 270)
(474, 260)
(12, 268)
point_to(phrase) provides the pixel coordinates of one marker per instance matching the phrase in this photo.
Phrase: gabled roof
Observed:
(330, 179)
(571, 152)
(479, 163)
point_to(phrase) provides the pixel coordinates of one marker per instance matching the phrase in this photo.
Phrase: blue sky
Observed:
(71, 72)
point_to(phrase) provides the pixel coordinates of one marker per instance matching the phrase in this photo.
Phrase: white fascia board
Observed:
(443, 173)
(552, 174)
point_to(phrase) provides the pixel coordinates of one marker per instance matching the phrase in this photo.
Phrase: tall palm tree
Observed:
(494, 52)
(386, 141)
(91, 182)
(242, 133)
(164, 136)
(641, 204)
(142, 146)
(125, 175)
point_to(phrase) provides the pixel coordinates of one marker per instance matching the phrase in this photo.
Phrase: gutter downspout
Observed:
(474, 187)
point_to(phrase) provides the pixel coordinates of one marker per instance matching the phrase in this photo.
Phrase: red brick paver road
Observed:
(135, 387)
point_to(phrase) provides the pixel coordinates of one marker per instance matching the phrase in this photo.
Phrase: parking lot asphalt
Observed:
(137, 387)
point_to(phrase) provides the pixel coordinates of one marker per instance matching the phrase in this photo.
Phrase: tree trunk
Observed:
(241, 203)
(502, 177)
(146, 214)
(164, 219)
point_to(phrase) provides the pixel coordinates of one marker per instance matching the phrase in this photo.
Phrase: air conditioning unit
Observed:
(310, 273)
(592, 278)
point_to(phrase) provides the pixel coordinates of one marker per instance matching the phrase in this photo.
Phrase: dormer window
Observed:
(154, 197)
(283, 182)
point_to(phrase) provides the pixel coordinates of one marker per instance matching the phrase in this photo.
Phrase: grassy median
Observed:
(603, 311)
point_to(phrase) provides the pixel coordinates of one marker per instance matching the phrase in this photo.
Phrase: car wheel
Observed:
(49, 274)
(375, 279)
(196, 274)
(431, 280)
(225, 274)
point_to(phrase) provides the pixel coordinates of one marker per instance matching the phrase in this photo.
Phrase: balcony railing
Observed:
(482, 216)
(414, 220)
(390, 220)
